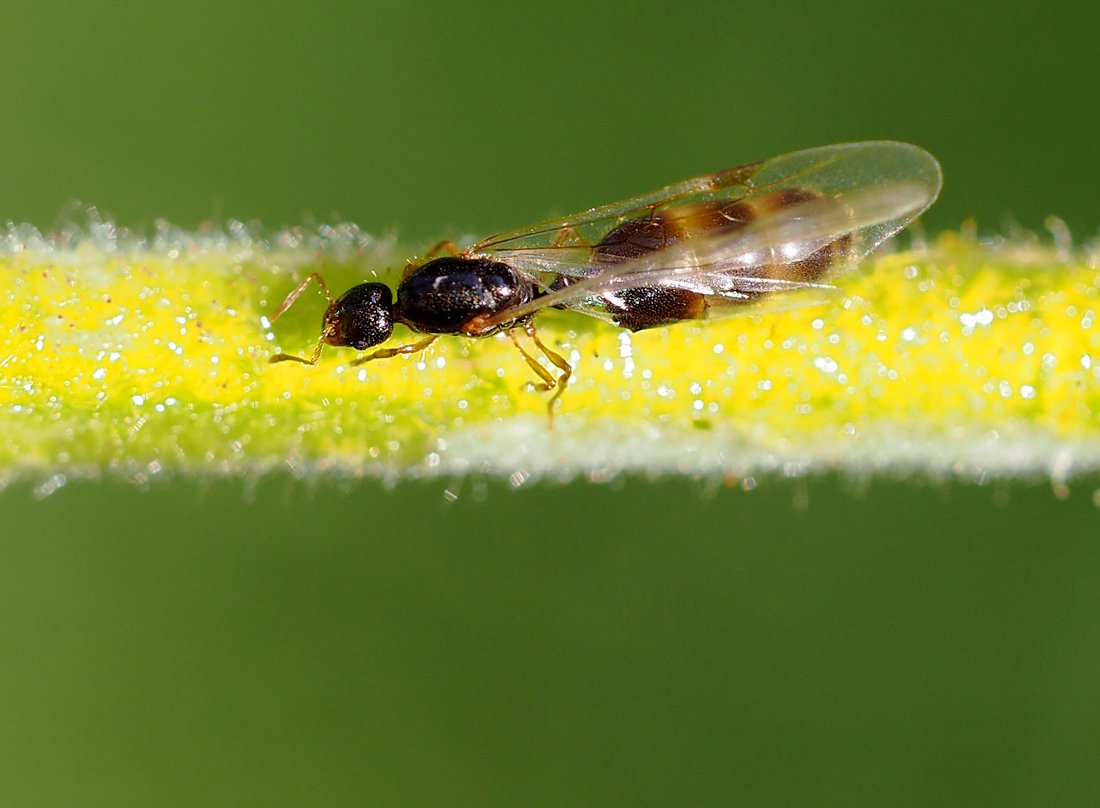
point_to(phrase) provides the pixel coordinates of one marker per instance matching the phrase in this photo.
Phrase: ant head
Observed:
(360, 318)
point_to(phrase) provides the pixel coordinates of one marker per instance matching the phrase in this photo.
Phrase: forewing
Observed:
(869, 191)
(565, 246)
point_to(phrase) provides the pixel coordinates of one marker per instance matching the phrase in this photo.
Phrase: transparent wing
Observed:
(866, 193)
(570, 239)
(565, 246)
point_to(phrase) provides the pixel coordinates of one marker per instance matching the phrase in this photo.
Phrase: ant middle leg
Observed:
(557, 360)
(445, 246)
(549, 382)
(569, 237)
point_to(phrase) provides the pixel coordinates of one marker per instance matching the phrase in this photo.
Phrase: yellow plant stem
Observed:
(141, 360)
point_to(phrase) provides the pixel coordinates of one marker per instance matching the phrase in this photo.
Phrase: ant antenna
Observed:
(325, 332)
(286, 304)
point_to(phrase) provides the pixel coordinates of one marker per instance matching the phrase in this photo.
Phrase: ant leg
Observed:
(558, 361)
(569, 237)
(548, 382)
(286, 304)
(282, 357)
(386, 353)
(446, 246)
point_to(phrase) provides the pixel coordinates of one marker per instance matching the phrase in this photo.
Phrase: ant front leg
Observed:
(283, 357)
(387, 353)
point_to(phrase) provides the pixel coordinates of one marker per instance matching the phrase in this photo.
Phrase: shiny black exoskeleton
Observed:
(689, 251)
(444, 296)
(450, 295)
(360, 318)
(453, 295)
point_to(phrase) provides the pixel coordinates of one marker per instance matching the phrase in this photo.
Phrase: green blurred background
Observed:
(632, 643)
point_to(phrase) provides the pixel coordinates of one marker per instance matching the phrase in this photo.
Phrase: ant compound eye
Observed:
(361, 317)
